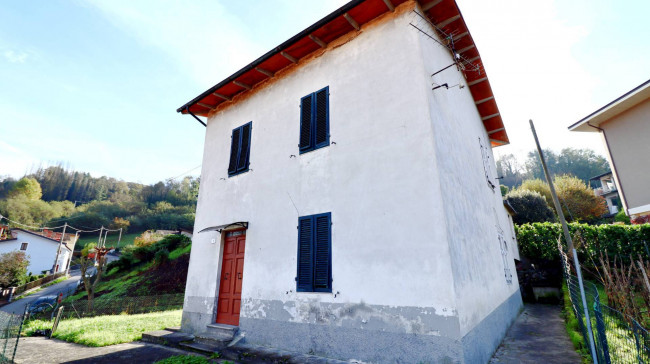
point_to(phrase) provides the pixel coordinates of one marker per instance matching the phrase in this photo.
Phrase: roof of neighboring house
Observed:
(511, 210)
(616, 107)
(600, 175)
(351, 17)
(41, 236)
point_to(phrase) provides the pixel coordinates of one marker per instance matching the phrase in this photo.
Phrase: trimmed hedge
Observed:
(539, 240)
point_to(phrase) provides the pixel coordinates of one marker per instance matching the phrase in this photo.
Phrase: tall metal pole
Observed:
(567, 237)
(58, 251)
(119, 238)
(76, 237)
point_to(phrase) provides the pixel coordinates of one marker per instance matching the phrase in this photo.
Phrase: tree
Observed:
(510, 170)
(28, 187)
(120, 223)
(529, 206)
(88, 253)
(579, 203)
(13, 268)
(540, 187)
(581, 163)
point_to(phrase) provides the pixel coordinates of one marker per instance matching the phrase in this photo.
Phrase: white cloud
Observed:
(15, 57)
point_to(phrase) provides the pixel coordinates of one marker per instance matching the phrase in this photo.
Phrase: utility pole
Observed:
(567, 237)
(76, 237)
(58, 251)
(99, 242)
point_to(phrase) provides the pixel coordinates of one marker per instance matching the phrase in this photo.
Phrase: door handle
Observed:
(226, 276)
(239, 275)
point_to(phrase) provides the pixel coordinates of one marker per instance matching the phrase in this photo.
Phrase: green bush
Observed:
(530, 206)
(621, 217)
(162, 256)
(539, 240)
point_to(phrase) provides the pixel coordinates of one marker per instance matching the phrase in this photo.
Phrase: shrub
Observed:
(161, 256)
(539, 240)
(147, 238)
(13, 269)
(530, 206)
(621, 217)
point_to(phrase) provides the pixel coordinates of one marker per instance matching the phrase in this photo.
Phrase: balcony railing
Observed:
(604, 190)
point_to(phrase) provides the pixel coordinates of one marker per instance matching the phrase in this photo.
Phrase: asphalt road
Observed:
(66, 287)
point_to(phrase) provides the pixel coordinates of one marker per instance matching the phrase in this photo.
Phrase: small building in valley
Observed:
(624, 125)
(349, 204)
(42, 249)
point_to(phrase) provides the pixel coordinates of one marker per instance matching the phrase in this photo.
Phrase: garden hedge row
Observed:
(539, 240)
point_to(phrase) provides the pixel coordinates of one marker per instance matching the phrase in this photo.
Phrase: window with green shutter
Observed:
(314, 121)
(314, 253)
(240, 149)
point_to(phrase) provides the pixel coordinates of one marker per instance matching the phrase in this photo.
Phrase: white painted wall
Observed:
(474, 212)
(404, 183)
(40, 251)
(378, 180)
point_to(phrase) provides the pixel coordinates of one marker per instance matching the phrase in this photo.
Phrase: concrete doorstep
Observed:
(232, 349)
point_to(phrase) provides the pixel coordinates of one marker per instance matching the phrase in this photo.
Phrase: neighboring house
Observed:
(41, 249)
(348, 205)
(625, 126)
(607, 189)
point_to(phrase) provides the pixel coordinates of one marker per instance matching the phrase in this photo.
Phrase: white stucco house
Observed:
(349, 205)
(40, 249)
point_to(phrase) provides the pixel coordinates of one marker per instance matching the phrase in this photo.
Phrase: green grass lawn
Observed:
(111, 240)
(108, 330)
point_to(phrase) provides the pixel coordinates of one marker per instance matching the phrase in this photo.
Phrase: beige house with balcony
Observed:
(625, 126)
(606, 187)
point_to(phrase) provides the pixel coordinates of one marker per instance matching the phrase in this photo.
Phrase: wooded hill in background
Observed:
(90, 202)
(581, 163)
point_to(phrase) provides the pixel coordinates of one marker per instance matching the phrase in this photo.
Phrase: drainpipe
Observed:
(620, 184)
(187, 108)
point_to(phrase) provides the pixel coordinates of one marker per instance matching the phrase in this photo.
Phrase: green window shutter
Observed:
(322, 253)
(304, 279)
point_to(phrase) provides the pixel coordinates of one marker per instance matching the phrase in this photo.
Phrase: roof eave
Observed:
(591, 122)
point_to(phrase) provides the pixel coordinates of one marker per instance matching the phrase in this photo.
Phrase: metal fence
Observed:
(116, 306)
(618, 338)
(10, 327)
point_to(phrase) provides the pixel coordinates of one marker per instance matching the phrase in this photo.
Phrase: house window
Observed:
(23, 246)
(314, 253)
(314, 121)
(485, 153)
(240, 149)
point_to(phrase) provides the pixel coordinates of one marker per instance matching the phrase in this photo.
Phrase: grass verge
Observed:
(111, 240)
(108, 330)
(572, 326)
(58, 280)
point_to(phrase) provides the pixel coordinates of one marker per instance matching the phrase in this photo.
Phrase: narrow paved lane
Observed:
(66, 287)
(537, 336)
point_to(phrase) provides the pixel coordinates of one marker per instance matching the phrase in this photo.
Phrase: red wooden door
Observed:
(232, 271)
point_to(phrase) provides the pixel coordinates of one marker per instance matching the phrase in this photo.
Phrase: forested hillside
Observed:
(53, 195)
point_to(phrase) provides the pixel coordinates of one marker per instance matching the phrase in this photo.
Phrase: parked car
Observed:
(42, 303)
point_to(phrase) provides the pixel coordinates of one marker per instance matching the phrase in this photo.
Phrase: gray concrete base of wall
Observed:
(376, 346)
(480, 344)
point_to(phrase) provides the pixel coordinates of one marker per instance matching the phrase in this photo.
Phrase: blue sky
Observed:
(95, 84)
